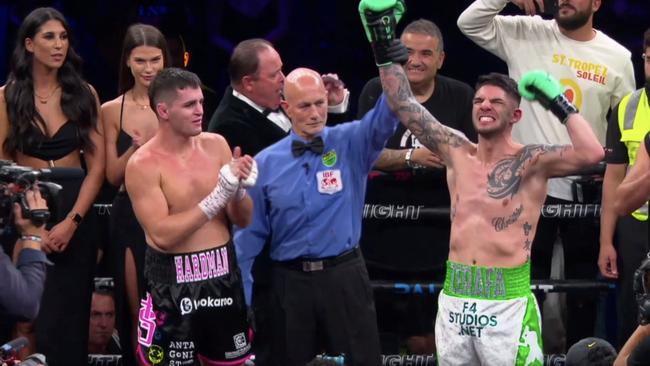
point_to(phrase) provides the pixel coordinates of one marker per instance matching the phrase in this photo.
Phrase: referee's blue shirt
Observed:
(311, 206)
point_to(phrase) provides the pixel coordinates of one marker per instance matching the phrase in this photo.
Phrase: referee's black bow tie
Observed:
(316, 145)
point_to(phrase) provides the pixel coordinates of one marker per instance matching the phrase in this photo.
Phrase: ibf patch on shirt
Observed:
(329, 181)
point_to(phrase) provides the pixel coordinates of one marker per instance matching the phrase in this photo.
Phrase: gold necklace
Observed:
(44, 100)
(141, 106)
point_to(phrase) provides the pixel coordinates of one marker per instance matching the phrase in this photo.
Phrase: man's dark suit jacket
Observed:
(244, 126)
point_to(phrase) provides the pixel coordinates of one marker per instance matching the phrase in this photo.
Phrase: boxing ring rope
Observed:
(386, 360)
(376, 211)
(545, 286)
(384, 211)
(430, 360)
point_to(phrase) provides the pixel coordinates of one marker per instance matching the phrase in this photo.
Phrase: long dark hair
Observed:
(77, 100)
(139, 35)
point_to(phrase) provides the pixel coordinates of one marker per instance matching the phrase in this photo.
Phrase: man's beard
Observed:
(577, 20)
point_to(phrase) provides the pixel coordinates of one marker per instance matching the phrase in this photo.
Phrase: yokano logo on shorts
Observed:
(188, 305)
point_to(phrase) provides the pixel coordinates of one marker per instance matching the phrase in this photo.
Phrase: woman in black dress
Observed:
(49, 119)
(129, 121)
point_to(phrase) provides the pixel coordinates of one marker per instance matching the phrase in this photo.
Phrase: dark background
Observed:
(324, 35)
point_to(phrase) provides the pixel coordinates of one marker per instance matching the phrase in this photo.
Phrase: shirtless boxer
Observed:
(486, 311)
(186, 188)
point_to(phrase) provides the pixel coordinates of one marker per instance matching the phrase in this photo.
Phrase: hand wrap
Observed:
(222, 193)
(248, 182)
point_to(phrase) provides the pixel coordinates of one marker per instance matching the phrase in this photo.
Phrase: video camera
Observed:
(15, 180)
(9, 350)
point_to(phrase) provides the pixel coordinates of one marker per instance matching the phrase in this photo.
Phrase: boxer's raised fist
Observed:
(379, 19)
(542, 87)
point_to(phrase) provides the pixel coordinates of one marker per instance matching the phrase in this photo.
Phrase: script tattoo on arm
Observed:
(502, 223)
(505, 178)
(428, 130)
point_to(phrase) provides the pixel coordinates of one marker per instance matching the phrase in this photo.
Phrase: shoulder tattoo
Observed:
(505, 178)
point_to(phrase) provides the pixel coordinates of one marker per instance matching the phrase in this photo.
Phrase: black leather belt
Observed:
(313, 264)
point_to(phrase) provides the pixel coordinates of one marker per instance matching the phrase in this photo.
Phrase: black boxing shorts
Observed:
(193, 308)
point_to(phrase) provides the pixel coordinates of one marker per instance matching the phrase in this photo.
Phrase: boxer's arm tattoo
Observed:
(505, 178)
(502, 223)
(428, 130)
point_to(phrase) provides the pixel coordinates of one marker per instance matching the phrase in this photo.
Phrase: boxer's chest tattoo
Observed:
(505, 178)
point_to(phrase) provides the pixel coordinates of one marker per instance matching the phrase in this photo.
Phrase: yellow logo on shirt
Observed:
(584, 70)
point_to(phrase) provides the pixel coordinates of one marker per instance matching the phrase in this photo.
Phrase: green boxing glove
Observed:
(542, 87)
(379, 19)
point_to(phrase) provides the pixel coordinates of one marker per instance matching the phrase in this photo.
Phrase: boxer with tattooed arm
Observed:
(486, 311)
(598, 73)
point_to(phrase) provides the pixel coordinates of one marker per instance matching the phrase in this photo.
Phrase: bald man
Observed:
(308, 205)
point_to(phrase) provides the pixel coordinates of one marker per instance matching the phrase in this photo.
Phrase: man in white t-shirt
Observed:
(596, 72)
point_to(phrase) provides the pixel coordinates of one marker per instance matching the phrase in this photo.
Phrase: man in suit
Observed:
(249, 116)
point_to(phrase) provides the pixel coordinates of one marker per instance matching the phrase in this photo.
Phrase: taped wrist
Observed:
(221, 194)
(252, 177)
(562, 108)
